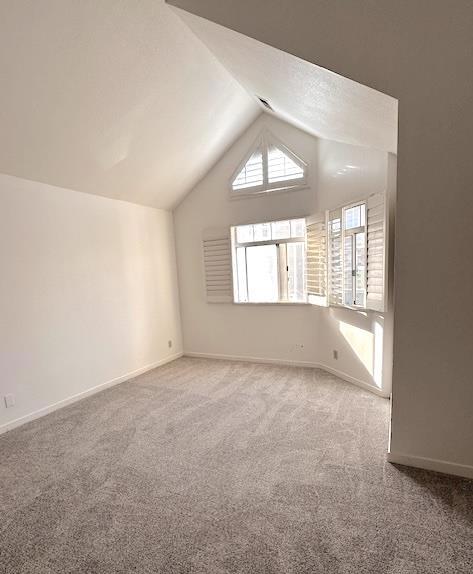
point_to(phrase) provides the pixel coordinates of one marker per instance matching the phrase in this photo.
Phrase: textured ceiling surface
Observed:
(116, 98)
(321, 102)
(125, 99)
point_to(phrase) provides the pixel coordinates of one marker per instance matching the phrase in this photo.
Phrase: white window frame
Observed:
(375, 280)
(352, 232)
(262, 142)
(316, 270)
(283, 271)
(220, 259)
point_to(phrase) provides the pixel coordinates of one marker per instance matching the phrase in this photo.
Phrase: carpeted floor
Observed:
(212, 467)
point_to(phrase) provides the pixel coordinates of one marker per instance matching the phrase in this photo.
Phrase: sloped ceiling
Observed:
(137, 100)
(115, 98)
(310, 97)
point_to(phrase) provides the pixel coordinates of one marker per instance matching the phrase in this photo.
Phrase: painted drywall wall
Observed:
(338, 173)
(88, 293)
(421, 53)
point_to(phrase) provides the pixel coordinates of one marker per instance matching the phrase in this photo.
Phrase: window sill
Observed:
(267, 192)
(277, 304)
(361, 310)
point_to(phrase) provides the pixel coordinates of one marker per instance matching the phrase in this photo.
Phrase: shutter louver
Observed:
(251, 174)
(316, 254)
(335, 268)
(281, 167)
(269, 166)
(218, 265)
(376, 253)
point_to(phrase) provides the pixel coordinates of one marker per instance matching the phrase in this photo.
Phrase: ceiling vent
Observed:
(266, 104)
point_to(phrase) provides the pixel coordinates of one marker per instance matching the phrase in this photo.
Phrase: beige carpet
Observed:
(212, 467)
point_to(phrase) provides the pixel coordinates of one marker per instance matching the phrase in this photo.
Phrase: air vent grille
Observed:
(266, 104)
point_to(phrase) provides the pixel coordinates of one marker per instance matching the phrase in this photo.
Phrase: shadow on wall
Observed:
(363, 333)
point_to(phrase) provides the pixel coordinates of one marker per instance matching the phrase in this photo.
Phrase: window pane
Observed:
(262, 269)
(242, 296)
(354, 217)
(295, 263)
(348, 271)
(360, 269)
(262, 232)
(335, 225)
(281, 229)
(297, 227)
(244, 233)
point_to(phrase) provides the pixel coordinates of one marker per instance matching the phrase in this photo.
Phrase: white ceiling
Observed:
(114, 98)
(319, 101)
(125, 100)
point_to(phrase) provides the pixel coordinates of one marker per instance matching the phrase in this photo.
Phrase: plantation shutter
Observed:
(217, 265)
(376, 275)
(251, 174)
(281, 166)
(316, 254)
(335, 267)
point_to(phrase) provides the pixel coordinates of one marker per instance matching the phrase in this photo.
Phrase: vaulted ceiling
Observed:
(312, 98)
(137, 100)
(113, 98)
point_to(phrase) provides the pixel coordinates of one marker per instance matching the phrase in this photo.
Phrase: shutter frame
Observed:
(269, 140)
(258, 144)
(262, 143)
(316, 260)
(376, 252)
(217, 264)
(335, 270)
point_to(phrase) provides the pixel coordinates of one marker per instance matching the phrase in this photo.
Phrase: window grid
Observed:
(343, 249)
(283, 261)
(354, 255)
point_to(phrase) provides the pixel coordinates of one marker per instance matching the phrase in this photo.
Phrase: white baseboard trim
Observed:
(55, 406)
(337, 373)
(443, 466)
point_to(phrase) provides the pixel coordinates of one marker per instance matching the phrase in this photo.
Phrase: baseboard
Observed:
(55, 406)
(289, 363)
(443, 466)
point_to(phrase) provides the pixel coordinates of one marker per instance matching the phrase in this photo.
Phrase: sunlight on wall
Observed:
(368, 347)
(362, 343)
(378, 351)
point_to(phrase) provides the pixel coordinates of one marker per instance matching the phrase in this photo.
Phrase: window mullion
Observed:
(265, 163)
(353, 265)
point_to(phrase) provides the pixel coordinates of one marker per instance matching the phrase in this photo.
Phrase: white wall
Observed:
(276, 331)
(88, 293)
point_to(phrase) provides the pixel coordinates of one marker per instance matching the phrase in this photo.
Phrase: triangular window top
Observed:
(281, 167)
(269, 166)
(252, 173)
